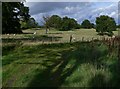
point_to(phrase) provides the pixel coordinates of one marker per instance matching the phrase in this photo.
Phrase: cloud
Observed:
(77, 10)
(43, 7)
(71, 0)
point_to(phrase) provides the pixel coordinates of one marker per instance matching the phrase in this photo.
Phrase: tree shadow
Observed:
(28, 33)
(115, 70)
(81, 54)
(48, 78)
(56, 33)
(33, 38)
(98, 81)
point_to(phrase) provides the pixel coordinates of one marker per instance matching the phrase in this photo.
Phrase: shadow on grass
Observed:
(56, 33)
(115, 70)
(99, 80)
(27, 33)
(33, 38)
(7, 49)
(81, 54)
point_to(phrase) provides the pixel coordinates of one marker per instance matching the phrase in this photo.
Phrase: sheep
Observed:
(35, 33)
(113, 36)
(73, 38)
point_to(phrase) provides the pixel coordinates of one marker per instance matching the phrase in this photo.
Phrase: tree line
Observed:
(103, 24)
(65, 23)
(16, 17)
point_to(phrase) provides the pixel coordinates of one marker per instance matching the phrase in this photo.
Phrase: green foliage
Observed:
(86, 24)
(12, 13)
(92, 25)
(105, 24)
(78, 26)
(118, 26)
(55, 21)
(31, 23)
(59, 23)
(79, 64)
(68, 23)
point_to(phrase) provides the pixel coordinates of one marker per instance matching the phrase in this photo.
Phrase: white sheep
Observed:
(113, 36)
(74, 38)
(35, 33)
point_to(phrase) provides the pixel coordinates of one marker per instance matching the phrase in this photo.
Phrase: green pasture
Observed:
(79, 64)
(55, 36)
(54, 62)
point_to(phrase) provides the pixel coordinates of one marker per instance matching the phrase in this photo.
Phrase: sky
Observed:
(77, 10)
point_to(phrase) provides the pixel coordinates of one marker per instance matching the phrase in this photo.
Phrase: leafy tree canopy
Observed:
(105, 24)
(86, 24)
(31, 23)
(55, 21)
(118, 26)
(12, 13)
(68, 23)
(59, 23)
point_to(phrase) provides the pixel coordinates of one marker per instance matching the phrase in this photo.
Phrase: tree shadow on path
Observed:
(50, 78)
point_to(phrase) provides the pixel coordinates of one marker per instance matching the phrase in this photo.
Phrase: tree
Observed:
(118, 26)
(86, 24)
(78, 26)
(68, 23)
(46, 23)
(55, 21)
(105, 24)
(92, 25)
(31, 23)
(12, 13)
(59, 23)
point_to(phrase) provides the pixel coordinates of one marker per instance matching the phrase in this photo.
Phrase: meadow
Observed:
(57, 62)
(53, 36)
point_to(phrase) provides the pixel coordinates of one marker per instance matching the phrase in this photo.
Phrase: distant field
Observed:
(59, 36)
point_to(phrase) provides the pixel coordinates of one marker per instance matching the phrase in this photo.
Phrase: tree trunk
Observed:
(46, 30)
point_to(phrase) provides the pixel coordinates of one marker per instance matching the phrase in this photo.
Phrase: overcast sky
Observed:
(76, 10)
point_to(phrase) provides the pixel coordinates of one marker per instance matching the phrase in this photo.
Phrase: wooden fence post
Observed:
(82, 39)
(71, 38)
(43, 42)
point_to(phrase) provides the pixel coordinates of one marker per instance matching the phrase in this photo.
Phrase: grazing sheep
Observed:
(73, 38)
(113, 36)
(35, 33)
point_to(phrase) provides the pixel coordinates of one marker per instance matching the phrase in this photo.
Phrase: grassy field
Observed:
(64, 64)
(77, 64)
(54, 36)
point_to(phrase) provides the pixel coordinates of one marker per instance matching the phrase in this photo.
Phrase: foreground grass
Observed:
(79, 64)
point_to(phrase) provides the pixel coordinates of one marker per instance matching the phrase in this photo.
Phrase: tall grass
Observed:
(79, 64)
